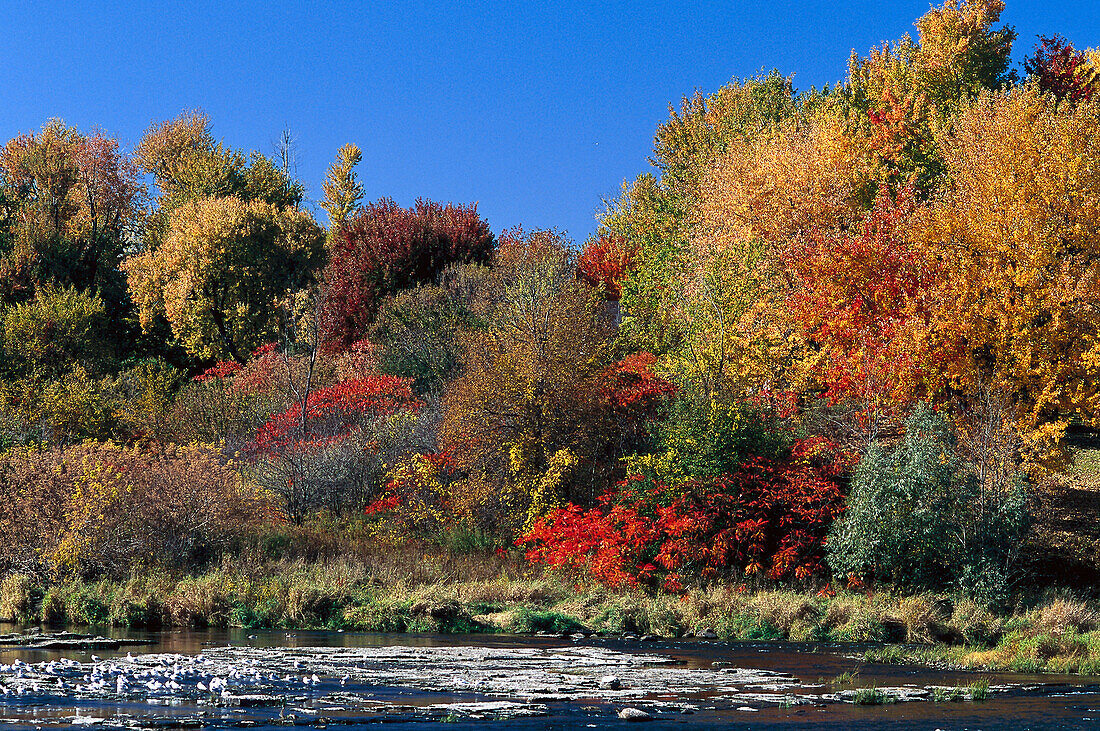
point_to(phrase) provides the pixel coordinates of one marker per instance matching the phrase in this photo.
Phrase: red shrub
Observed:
(332, 412)
(631, 385)
(633, 395)
(767, 517)
(223, 369)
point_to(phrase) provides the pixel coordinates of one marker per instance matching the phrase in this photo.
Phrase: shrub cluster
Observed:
(103, 509)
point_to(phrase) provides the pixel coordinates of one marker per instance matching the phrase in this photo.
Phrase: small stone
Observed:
(748, 709)
(634, 714)
(578, 635)
(648, 638)
(610, 682)
(707, 634)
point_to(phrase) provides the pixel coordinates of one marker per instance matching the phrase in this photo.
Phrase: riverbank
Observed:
(1056, 635)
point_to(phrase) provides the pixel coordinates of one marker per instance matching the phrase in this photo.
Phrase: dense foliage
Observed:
(916, 517)
(766, 518)
(384, 248)
(838, 335)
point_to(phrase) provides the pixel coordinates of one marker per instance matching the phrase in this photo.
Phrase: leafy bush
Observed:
(918, 517)
(58, 329)
(331, 455)
(700, 441)
(102, 509)
(527, 621)
(418, 498)
(766, 517)
(417, 334)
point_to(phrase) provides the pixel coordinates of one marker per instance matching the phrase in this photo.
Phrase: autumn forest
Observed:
(840, 342)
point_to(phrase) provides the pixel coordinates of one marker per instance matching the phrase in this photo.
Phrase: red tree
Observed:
(385, 248)
(860, 299)
(605, 262)
(1061, 70)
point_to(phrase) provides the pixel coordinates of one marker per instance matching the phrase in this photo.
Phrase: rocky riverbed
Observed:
(237, 685)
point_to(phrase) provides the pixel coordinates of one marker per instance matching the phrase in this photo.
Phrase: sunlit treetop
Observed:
(189, 165)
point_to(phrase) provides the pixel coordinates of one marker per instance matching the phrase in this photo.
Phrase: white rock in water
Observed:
(610, 682)
(634, 714)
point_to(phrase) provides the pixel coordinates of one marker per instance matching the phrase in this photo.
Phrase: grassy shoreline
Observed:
(1059, 635)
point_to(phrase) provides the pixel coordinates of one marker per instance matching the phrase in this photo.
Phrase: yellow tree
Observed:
(73, 200)
(903, 93)
(342, 189)
(654, 217)
(525, 419)
(734, 331)
(188, 164)
(220, 270)
(1017, 234)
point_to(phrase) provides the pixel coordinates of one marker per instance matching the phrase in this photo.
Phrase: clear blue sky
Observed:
(537, 110)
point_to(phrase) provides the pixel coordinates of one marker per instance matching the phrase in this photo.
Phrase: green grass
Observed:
(979, 689)
(846, 678)
(1022, 651)
(1086, 462)
(872, 697)
(426, 593)
(948, 695)
(528, 621)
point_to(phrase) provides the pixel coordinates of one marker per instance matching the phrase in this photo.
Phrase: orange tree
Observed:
(1015, 232)
(862, 301)
(72, 202)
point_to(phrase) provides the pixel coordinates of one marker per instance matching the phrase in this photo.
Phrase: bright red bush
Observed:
(385, 248)
(222, 369)
(767, 518)
(332, 412)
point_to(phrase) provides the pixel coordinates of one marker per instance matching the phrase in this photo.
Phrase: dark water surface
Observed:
(419, 681)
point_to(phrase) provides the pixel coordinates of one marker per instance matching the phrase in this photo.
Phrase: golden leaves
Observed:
(1018, 229)
(220, 269)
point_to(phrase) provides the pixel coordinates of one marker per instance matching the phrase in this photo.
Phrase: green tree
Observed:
(918, 517)
(59, 329)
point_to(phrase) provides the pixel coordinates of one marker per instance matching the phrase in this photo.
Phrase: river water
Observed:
(279, 679)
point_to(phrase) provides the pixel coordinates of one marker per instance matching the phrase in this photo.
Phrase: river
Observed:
(277, 679)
